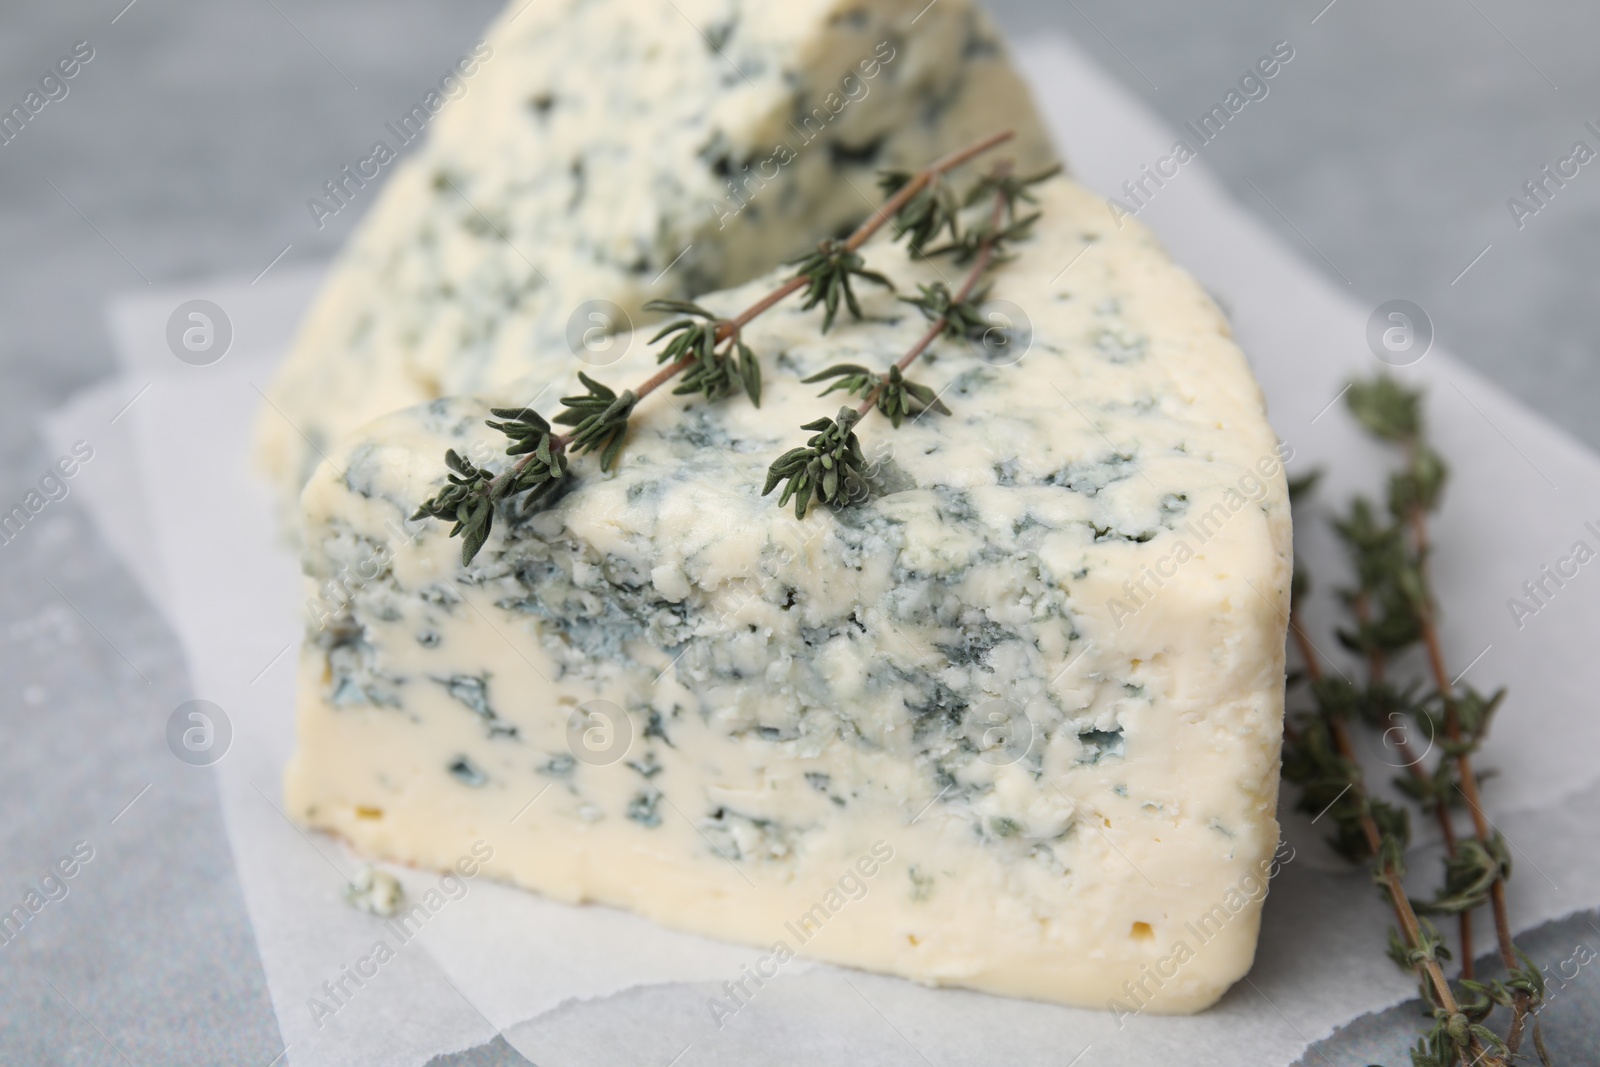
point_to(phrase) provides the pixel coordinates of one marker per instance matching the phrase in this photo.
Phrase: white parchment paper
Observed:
(594, 986)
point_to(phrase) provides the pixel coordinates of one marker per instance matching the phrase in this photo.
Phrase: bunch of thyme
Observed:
(831, 467)
(1393, 612)
(708, 351)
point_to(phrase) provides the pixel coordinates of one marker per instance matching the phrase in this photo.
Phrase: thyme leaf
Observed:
(894, 394)
(930, 211)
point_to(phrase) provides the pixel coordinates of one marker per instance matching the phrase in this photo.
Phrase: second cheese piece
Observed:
(607, 152)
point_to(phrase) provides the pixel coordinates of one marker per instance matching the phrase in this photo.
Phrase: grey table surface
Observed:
(186, 149)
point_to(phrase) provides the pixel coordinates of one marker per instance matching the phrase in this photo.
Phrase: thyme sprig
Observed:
(711, 373)
(1010, 187)
(1319, 756)
(707, 350)
(599, 419)
(531, 436)
(897, 397)
(960, 318)
(952, 314)
(936, 209)
(827, 272)
(1003, 227)
(830, 466)
(1459, 715)
(469, 499)
(931, 210)
(1395, 611)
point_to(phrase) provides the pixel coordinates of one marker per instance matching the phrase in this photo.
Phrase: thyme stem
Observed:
(1377, 665)
(661, 377)
(1406, 915)
(1468, 784)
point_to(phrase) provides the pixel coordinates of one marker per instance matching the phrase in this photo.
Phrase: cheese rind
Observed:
(616, 151)
(1035, 682)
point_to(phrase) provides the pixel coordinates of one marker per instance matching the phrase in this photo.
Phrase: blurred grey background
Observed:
(186, 149)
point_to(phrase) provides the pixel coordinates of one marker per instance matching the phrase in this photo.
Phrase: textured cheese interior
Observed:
(799, 690)
(600, 145)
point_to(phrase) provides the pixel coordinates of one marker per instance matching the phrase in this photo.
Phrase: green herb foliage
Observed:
(960, 319)
(896, 395)
(1393, 614)
(710, 373)
(953, 315)
(830, 468)
(930, 212)
(827, 272)
(470, 497)
(599, 419)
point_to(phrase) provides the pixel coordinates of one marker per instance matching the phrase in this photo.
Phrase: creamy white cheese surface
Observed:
(1034, 683)
(617, 151)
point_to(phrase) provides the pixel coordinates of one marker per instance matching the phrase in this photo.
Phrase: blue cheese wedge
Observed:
(1011, 723)
(604, 153)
